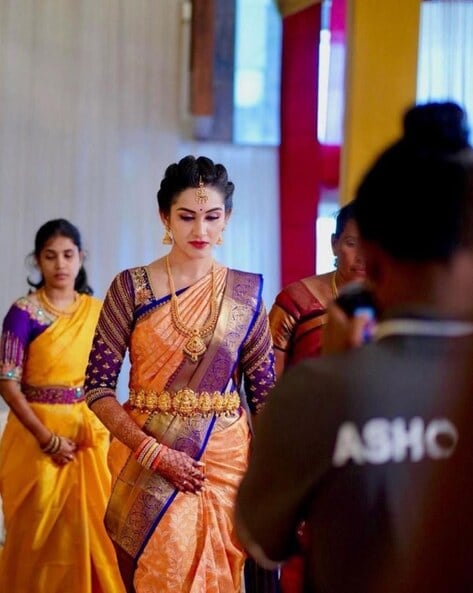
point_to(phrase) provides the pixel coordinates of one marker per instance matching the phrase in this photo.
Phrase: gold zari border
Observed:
(185, 402)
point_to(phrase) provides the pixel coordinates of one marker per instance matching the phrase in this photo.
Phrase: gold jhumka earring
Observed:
(167, 239)
(201, 196)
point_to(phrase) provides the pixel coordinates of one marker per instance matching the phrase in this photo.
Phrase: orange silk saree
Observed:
(167, 540)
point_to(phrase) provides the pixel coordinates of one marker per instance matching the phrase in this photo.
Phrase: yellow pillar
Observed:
(380, 82)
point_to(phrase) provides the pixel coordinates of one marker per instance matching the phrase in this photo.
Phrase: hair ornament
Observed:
(201, 196)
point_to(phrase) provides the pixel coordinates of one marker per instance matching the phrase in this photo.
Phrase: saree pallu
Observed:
(58, 356)
(297, 318)
(166, 540)
(55, 538)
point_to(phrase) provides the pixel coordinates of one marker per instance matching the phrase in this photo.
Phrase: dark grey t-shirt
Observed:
(351, 444)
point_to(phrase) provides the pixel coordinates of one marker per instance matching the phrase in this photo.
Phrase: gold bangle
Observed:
(57, 446)
(52, 446)
(49, 445)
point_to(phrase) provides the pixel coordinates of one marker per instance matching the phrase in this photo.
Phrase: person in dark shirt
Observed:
(353, 442)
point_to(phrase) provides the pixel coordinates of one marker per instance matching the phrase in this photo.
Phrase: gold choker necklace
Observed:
(195, 345)
(46, 304)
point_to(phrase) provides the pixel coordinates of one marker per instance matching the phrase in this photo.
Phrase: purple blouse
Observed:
(129, 297)
(22, 324)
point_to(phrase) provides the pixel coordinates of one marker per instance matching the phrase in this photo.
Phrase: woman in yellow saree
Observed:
(197, 333)
(54, 480)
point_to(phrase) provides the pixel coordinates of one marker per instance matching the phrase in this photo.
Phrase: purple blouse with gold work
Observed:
(130, 301)
(22, 324)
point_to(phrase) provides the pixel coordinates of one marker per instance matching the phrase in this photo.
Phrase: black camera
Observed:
(356, 297)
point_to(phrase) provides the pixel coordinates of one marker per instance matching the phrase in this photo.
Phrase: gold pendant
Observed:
(195, 346)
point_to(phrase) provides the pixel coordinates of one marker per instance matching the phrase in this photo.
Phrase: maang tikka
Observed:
(201, 196)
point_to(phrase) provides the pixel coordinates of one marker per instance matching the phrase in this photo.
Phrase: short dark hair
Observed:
(187, 173)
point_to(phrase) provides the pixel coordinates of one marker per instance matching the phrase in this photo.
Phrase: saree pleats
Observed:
(196, 543)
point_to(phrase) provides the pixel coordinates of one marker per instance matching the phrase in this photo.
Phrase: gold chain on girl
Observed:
(195, 345)
(48, 306)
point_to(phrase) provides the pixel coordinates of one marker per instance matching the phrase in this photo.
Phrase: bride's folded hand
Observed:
(185, 473)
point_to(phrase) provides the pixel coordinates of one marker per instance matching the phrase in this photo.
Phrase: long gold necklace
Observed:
(195, 345)
(46, 304)
(334, 284)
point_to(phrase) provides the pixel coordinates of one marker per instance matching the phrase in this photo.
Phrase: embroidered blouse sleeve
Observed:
(22, 323)
(13, 343)
(257, 361)
(111, 339)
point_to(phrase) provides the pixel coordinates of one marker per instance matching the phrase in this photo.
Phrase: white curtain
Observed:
(446, 53)
(88, 120)
(93, 107)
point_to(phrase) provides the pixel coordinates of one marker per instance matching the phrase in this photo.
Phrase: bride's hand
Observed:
(183, 472)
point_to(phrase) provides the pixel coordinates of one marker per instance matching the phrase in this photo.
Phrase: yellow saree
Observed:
(167, 540)
(55, 538)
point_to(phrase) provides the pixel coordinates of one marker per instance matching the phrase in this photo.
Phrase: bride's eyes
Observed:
(187, 218)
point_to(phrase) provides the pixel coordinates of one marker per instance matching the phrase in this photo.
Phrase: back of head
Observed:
(416, 201)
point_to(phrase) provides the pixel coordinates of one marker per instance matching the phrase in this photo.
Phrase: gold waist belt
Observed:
(185, 402)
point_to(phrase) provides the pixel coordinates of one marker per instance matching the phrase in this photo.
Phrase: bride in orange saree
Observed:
(201, 358)
(54, 480)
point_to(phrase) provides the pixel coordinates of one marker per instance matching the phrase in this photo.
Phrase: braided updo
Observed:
(187, 173)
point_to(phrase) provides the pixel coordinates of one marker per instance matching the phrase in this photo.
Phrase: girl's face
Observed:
(196, 227)
(60, 261)
(347, 250)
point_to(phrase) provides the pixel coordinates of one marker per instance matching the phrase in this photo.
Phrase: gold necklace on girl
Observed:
(195, 345)
(48, 306)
